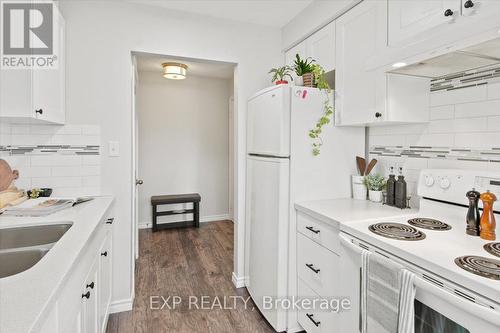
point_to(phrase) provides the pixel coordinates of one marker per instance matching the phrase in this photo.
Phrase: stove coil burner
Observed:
(493, 248)
(485, 267)
(430, 224)
(397, 231)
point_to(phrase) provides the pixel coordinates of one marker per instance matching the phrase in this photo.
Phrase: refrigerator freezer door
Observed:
(269, 122)
(267, 217)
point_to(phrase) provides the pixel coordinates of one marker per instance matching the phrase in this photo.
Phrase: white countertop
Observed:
(28, 296)
(345, 211)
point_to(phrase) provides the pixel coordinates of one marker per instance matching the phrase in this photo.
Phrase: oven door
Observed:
(439, 311)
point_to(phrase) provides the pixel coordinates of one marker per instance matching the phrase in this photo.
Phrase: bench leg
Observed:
(196, 206)
(155, 216)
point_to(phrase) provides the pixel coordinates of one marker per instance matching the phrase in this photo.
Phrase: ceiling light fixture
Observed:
(399, 64)
(174, 70)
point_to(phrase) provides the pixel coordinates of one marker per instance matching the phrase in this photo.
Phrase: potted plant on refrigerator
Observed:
(280, 74)
(375, 185)
(304, 70)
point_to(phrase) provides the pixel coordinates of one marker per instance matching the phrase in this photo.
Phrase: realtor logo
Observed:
(28, 35)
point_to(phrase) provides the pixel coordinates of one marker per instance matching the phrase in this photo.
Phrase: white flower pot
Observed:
(359, 190)
(299, 81)
(375, 196)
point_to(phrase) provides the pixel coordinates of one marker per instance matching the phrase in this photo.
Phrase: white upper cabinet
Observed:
(360, 33)
(320, 46)
(411, 21)
(36, 94)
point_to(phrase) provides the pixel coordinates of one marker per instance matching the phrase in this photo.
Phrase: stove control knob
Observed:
(429, 181)
(444, 183)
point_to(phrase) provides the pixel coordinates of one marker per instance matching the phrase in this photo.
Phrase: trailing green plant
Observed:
(281, 73)
(322, 84)
(375, 182)
(303, 66)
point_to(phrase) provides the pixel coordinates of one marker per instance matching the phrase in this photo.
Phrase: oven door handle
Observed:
(475, 309)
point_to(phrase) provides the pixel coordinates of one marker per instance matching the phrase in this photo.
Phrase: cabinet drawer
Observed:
(316, 320)
(317, 231)
(317, 266)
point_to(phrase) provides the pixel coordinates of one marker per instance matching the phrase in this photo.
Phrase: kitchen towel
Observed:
(407, 302)
(387, 291)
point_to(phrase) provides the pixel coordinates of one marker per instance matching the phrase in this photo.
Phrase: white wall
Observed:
(464, 127)
(100, 38)
(312, 18)
(183, 142)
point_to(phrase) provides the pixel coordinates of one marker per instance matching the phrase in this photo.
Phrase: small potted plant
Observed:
(375, 185)
(304, 70)
(280, 74)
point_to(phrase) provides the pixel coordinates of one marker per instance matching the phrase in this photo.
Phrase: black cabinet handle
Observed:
(312, 229)
(104, 254)
(469, 4)
(86, 295)
(311, 267)
(448, 12)
(40, 111)
(310, 316)
(110, 220)
(91, 285)
(378, 115)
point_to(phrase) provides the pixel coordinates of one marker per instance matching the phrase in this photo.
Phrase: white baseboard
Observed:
(239, 282)
(121, 305)
(211, 218)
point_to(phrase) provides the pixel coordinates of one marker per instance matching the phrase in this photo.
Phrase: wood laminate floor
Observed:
(187, 262)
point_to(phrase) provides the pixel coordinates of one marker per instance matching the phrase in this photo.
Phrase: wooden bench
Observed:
(193, 198)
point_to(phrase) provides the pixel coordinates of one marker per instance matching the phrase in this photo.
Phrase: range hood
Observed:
(475, 57)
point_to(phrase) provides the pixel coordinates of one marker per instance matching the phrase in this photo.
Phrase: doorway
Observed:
(183, 136)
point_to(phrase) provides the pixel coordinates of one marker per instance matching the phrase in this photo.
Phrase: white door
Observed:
(321, 47)
(411, 21)
(360, 33)
(267, 216)
(268, 122)
(136, 182)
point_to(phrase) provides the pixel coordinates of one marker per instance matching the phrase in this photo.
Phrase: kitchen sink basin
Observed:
(12, 238)
(18, 261)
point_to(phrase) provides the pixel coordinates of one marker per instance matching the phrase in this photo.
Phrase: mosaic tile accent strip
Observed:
(50, 149)
(460, 154)
(466, 79)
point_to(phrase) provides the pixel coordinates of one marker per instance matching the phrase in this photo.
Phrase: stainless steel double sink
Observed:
(22, 247)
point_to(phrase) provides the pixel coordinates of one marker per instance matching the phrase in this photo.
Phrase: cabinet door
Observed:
(15, 93)
(105, 274)
(321, 47)
(481, 9)
(48, 86)
(299, 49)
(360, 33)
(411, 21)
(91, 303)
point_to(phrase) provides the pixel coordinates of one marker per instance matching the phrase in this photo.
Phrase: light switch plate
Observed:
(114, 148)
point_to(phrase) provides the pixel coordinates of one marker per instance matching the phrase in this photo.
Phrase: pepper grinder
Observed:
(400, 186)
(488, 223)
(391, 188)
(473, 217)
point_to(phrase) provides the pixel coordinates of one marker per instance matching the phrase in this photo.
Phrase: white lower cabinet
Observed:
(318, 275)
(82, 305)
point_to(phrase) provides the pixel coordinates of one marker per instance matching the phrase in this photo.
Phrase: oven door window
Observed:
(428, 320)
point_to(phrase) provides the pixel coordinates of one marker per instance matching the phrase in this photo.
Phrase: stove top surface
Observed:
(493, 248)
(397, 231)
(485, 267)
(430, 224)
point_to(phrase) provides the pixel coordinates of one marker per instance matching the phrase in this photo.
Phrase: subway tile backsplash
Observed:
(65, 158)
(463, 133)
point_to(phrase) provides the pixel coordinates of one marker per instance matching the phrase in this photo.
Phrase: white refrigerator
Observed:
(282, 170)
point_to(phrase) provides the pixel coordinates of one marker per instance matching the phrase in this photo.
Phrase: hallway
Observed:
(187, 262)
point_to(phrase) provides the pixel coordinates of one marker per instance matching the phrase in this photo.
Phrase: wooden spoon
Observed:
(370, 167)
(360, 161)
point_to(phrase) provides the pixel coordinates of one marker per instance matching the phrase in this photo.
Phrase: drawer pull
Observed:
(86, 295)
(310, 316)
(311, 267)
(104, 254)
(313, 230)
(91, 285)
(110, 220)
